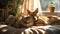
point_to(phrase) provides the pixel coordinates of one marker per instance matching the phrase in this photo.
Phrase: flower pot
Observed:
(51, 9)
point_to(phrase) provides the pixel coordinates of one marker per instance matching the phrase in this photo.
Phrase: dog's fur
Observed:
(53, 20)
(27, 21)
(11, 20)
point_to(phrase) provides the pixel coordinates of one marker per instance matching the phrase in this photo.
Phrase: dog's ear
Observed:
(35, 12)
(29, 12)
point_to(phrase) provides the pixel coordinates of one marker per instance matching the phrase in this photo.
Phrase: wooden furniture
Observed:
(3, 14)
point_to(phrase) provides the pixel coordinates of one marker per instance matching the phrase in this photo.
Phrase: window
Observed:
(44, 4)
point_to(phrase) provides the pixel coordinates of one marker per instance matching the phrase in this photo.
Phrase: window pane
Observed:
(45, 3)
(59, 5)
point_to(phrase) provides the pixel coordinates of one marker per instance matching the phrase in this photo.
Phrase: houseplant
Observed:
(51, 6)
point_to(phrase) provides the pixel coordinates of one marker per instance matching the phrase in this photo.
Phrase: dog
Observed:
(27, 21)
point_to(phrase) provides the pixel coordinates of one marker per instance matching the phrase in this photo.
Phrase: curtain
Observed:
(31, 5)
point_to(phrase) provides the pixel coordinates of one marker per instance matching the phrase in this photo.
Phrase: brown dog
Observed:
(27, 21)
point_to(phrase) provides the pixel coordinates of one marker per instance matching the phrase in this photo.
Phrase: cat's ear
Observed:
(29, 12)
(36, 11)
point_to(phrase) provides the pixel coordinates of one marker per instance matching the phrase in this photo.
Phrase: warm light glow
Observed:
(1, 26)
(31, 5)
(44, 18)
(35, 28)
(42, 31)
(44, 27)
(4, 30)
(37, 5)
